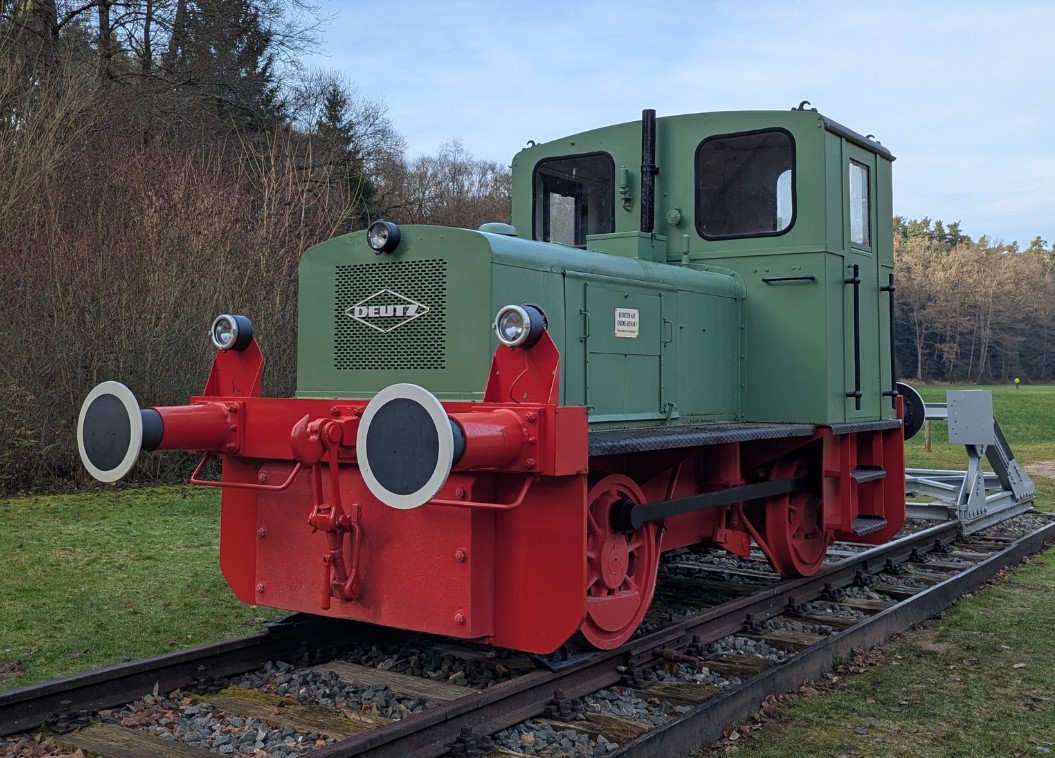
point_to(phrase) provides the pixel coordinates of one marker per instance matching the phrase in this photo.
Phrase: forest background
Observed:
(163, 161)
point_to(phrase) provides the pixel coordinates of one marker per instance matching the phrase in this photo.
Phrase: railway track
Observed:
(723, 634)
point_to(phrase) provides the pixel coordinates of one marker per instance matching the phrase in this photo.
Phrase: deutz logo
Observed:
(386, 311)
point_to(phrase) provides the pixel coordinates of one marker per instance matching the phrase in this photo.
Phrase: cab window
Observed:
(745, 184)
(860, 205)
(574, 197)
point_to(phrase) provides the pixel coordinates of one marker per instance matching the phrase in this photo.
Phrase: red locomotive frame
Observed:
(530, 540)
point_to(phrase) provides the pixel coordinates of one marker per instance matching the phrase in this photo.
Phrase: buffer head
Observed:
(112, 429)
(915, 409)
(406, 445)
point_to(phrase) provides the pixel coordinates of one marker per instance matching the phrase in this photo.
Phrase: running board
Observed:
(974, 497)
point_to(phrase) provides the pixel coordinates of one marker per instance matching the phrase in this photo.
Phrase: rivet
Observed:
(262, 477)
(232, 408)
(459, 618)
(529, 463)
(334, 411)
(532, 440)
(261, 533)
(460, 556)
(260, 588)
(532, 417)
(228, 447)
(460, 493)
(356, 412)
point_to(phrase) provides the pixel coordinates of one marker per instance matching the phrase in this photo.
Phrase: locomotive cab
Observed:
(790, 203)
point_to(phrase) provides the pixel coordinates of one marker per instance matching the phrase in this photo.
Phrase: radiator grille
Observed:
(391, 334)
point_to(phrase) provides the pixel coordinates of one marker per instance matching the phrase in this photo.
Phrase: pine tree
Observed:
(336, 134)
(221, 50)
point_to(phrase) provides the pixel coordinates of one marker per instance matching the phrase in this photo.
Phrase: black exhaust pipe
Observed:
(648, 170)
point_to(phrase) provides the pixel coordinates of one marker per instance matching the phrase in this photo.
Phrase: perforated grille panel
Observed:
(391, 316)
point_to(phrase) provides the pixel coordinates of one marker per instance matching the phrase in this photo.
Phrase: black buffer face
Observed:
(107, 432)
(402, 446)
(915, 409)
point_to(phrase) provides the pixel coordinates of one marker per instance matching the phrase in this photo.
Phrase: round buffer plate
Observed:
(405, 446)
(915, 410)
(109, 431)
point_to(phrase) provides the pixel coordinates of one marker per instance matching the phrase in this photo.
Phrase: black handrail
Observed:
(855, 280)
(892, 393)
(803, 278)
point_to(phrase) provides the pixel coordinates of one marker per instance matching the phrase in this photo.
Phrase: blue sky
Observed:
(963, 93)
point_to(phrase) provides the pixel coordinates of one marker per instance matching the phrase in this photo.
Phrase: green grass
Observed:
(976, 682)
(92, 579)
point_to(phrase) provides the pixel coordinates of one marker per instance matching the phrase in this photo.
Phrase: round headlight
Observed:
(382, 236)
(231, 332)
(519, 325)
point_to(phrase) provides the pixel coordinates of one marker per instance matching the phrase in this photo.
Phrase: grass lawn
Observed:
(92, 579)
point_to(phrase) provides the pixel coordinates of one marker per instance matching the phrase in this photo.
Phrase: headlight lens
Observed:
(512, 326)
(519, 325)
(231, 332)
(383, 236)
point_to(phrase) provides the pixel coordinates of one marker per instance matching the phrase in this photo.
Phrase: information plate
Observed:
(627, 322)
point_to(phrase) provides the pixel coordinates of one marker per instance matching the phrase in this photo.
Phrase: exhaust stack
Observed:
(648, 171)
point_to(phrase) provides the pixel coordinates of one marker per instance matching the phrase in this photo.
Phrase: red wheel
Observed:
(796, 541)
(620, 569)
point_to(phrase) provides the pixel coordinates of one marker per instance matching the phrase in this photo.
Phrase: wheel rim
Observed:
(620, 569)
(794, 529)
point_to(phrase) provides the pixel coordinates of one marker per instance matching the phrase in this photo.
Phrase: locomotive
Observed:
(496, 433)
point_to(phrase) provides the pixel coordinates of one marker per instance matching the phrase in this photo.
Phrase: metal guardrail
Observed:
(976, 498)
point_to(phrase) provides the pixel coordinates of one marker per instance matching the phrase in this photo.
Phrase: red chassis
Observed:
(517, 547)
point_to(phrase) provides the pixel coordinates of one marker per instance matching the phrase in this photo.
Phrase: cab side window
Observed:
(574, 197)
(745, 184)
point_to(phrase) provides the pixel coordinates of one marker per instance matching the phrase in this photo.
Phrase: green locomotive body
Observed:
(734, 307)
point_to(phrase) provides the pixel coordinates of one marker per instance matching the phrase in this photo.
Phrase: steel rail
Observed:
(29, 707)
(706, 722)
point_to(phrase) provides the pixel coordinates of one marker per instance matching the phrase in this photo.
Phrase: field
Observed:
(91, 579)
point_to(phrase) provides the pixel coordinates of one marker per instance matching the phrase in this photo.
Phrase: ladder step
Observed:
(862, 474)
(865, 524)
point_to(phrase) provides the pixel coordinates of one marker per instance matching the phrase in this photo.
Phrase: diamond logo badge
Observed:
(386, 311)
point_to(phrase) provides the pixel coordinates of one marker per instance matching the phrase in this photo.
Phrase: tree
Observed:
(353, 138)
(453, 189)
(1038, 246)
(220, 52)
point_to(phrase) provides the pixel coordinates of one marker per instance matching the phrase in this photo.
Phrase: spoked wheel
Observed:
(620, 568)
(796, 541)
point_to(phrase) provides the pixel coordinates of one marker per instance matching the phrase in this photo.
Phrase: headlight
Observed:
(383, 236)
(519, 325)
(231, 332)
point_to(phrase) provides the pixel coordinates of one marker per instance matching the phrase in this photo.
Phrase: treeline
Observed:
(163, 161)
(972, 311)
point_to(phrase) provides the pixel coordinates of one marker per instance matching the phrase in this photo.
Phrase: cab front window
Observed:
(574, 197)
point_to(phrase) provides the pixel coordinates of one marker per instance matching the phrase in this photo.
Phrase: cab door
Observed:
(861, 292)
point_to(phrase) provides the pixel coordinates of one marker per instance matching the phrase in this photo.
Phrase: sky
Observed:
(963, 93)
